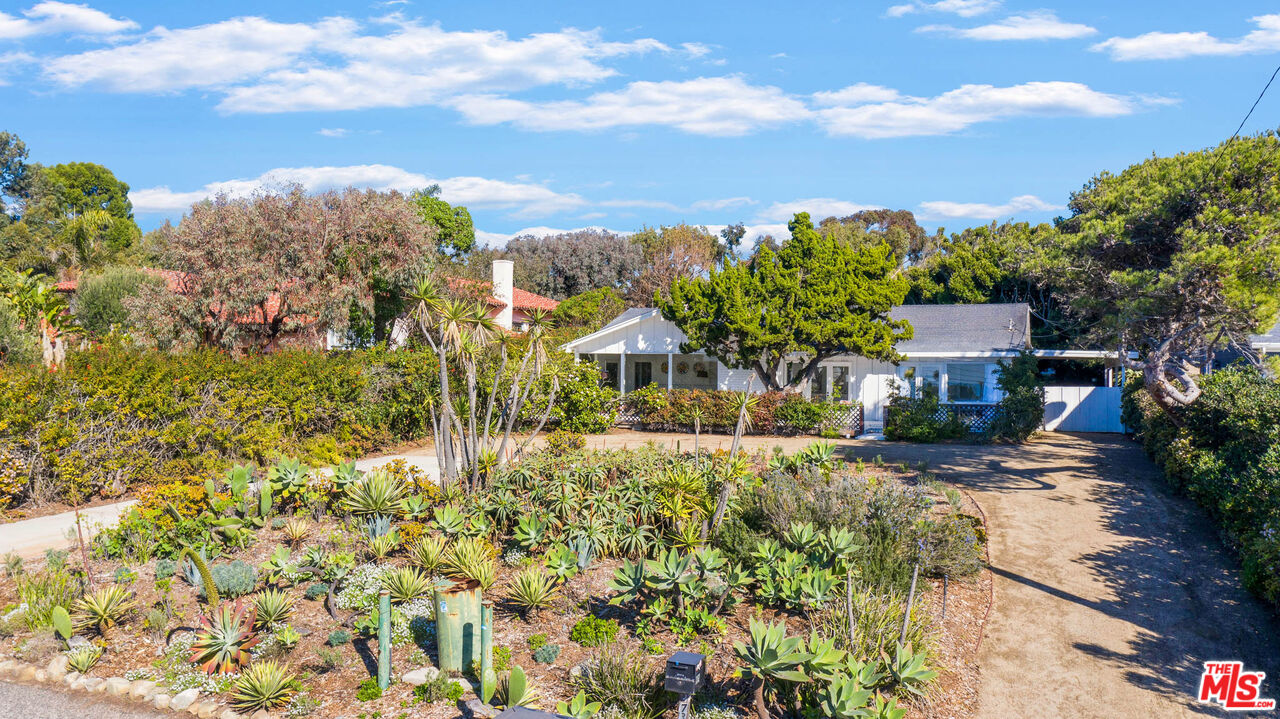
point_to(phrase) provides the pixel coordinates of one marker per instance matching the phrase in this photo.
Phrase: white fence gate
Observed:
(1082, 409)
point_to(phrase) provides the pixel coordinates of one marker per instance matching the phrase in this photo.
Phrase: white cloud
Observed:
(722, 204)
(819, 208)
(703, 106)
(971, 104)
(1175, 45)
(858, 94)
(48, 18)
(942, 209)
(696, 49)
(333, 131)
(498, 239)
(10, 61)
(963, 8)
(1040, 25)
(523, 199)
(263, 66)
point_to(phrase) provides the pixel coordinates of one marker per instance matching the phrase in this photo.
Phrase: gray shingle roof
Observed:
(966, 328)
(1270, 337)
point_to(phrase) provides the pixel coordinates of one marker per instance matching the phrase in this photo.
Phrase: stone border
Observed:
(142, 690)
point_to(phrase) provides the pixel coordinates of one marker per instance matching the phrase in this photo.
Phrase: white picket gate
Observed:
(1082, 409)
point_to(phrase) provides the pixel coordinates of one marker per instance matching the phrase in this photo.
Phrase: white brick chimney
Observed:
(503, 290)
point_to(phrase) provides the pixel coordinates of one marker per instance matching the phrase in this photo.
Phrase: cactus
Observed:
(210, 587)
(62, 622)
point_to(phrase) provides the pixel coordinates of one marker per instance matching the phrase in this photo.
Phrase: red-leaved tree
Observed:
(242, 271)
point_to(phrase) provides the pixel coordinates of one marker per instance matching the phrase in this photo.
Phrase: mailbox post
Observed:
(685, 673)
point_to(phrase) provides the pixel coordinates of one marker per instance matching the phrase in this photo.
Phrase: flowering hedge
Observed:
(774, 413)
(1226, 455)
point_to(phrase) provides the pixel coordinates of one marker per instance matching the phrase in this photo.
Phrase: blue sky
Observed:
(571, 114)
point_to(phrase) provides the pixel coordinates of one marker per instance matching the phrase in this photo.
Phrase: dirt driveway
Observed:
(1110, 591)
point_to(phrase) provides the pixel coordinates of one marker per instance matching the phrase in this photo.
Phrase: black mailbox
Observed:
(685, 672)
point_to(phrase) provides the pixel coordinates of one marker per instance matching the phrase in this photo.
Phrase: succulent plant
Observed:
(469, 558)
(532, 590)
(265, 685)
(382, 546)
(273, 606)
(104, 608)
(295, 530)
(378, 492)
(562, 562)
(83, 658)
(225, 637)
(61, 622)
(234, 579)
(771, 656)
(428, 553)
(406, 584)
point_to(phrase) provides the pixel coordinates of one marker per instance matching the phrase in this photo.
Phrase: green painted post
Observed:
(384, 638)
(486, 641)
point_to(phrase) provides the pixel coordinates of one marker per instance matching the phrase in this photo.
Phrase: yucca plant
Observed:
(265, 685)
(771, 656)
(428, 553)
(83, 658)
(382, 546)
(406, 584)
(272, 606)
(225, 637)
(295, 530)
(467, 558)
(104, 608)
(378, 492)
(532, 590)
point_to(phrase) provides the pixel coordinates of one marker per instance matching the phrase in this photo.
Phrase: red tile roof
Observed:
(520, 300)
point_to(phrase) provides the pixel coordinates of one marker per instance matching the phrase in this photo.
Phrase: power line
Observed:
(1247, 115)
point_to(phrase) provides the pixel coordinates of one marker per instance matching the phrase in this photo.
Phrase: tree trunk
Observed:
(726, 489)
(762, 709)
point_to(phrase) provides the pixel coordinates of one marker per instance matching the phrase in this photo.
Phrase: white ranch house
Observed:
(955, 349)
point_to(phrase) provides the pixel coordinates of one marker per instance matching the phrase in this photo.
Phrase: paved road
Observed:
(1110, 591)
(27, 701)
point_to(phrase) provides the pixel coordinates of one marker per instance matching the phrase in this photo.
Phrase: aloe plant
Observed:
(579, 707)
(225, 637)
(771, 656)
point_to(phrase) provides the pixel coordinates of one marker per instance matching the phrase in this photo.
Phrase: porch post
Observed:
(622, 373)
(671, 369)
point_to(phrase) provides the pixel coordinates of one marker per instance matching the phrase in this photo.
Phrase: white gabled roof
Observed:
(629, 317)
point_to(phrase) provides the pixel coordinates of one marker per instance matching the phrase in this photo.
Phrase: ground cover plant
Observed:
(799, 591)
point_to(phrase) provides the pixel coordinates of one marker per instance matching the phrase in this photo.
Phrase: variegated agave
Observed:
(225, 637)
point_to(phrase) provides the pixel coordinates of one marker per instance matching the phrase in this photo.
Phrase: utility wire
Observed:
(1247, 115)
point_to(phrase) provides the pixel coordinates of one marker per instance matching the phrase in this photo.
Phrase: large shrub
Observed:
(100, 298)
(18, 344)
(1226, 455)
(920, 418)
(717, 410)
(117, 417)
(1020, 411)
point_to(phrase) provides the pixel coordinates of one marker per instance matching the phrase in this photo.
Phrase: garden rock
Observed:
(70, 678)
(117, 686)
(161, 701)
(418, 677)
(262, 714)
(27, 672)
(7, 666)
(94, 684)
(204, 710)
(141, 688)
(478, 708)
(228, 714)
(184, 699)
(57, 666)
(41, 675)
(78, 641)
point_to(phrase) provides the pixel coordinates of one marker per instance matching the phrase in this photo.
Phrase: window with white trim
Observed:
(967, 382)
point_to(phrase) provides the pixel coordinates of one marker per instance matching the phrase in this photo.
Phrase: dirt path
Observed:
(1110, 591)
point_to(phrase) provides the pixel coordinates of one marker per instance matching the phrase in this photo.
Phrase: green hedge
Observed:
(774, 413)
(114, 418)
(1226, 455)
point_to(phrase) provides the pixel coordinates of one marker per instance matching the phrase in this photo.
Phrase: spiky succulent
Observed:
(225, 637)
(272, 606)
(104, 608)
(468, 557)
(382, 546)
(295, 530)
(428, 553)
(406, 584)
(532, 590)
(83, 658)
(378, 492)
(265, 685)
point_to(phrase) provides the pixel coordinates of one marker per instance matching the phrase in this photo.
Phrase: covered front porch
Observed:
(672, 370)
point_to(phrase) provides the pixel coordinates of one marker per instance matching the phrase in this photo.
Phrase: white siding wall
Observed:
(1082, 409)
(737, 379)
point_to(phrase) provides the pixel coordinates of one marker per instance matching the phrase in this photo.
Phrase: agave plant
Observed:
(562, 562)
(469, 558)
(295, 530)
(83, 658)
(375, 493)
(414, 507)
(104, 608)
(532, 590)
(669, 573)
(382, 546)
(845, 697)
(450, 520)
(802, 537)
(531, 531)
(428, 553)
(771, 656)
(225, 637)
(630, 581)
(377, 525)
(272, 606)
(265, 685)
(406, 584)
(907, 669)
(345, 475)
(579, 707)
(288, 479)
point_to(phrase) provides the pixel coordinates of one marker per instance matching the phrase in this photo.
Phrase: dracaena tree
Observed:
(248, 269)
(1174, 257)
(469, 347)
(815, 296)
